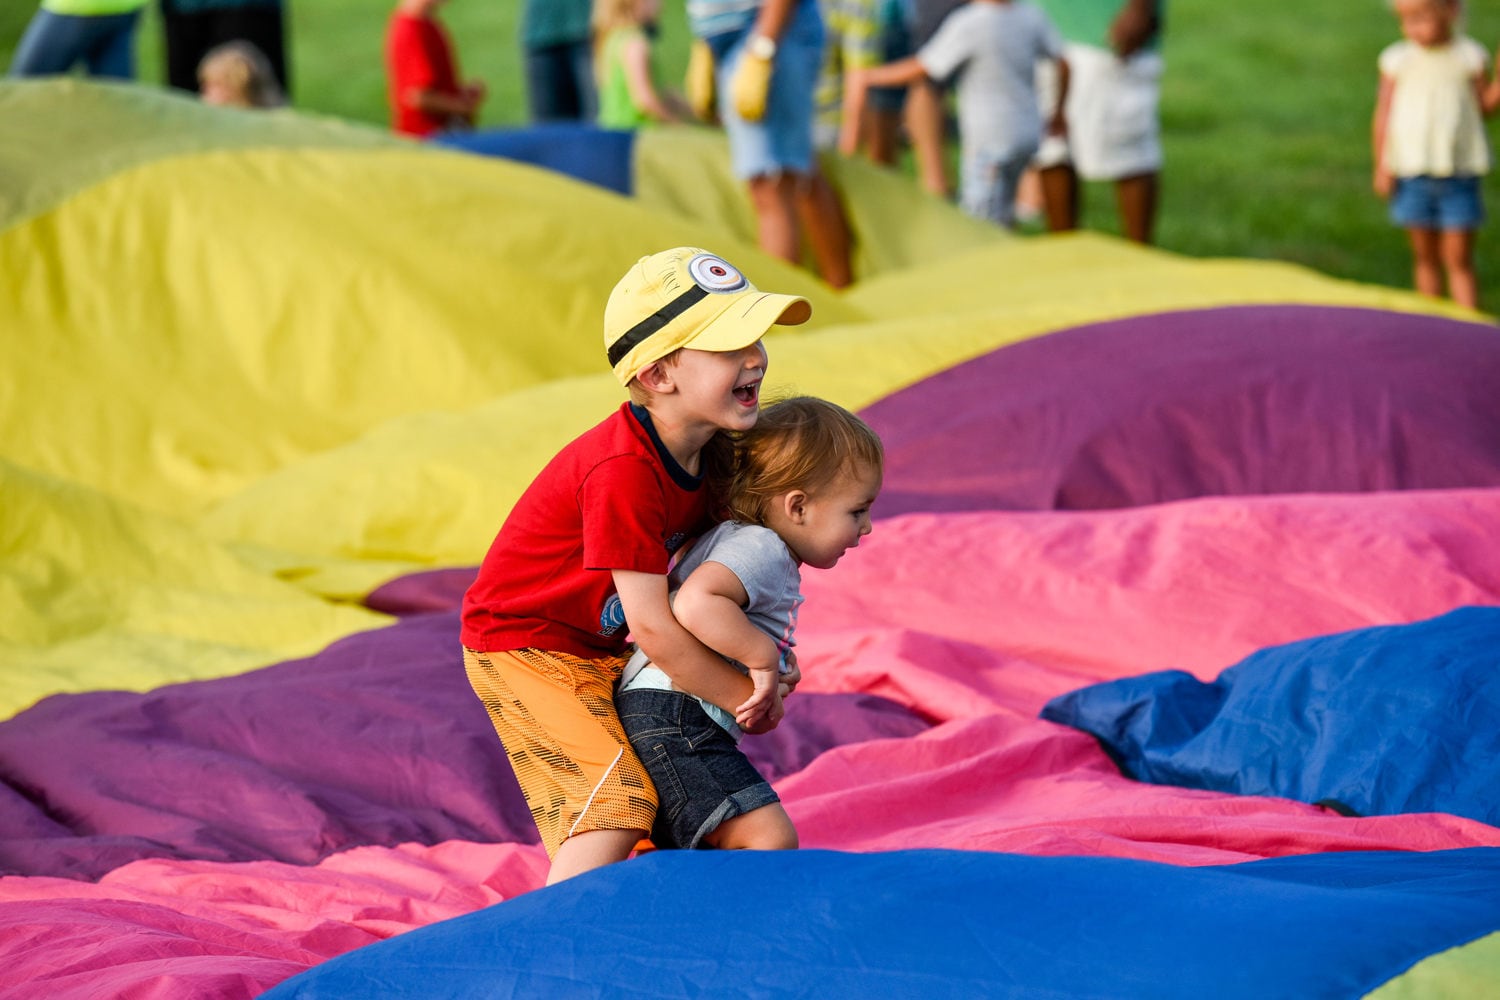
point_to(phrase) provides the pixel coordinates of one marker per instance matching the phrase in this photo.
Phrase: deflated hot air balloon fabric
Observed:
(272, 382)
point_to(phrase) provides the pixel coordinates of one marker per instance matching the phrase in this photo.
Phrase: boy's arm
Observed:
(694, 667)
(1133, 26)
(894, 74)
(1382, 178)
(853, 111)
(711, 605)
(1057, 124)
(435, 102)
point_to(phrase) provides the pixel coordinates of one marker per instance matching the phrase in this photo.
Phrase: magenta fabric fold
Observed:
(1233, 401)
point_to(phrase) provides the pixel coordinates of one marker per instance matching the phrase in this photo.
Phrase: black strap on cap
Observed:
(646, 327)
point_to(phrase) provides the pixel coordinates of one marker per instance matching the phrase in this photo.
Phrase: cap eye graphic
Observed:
(715, 274)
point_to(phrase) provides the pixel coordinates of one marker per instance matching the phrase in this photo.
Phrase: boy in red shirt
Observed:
(425, 94)
(582, 559)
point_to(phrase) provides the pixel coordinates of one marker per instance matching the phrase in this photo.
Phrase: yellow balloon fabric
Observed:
(257, 364)
(1456, 974)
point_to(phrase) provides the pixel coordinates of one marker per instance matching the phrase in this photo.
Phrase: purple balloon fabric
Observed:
(377, 740)
(1232, 401)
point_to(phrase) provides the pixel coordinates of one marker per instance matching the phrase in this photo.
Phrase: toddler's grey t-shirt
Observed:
(773, 585)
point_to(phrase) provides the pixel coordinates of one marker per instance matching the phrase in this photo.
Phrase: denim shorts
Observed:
(988, 189)
(782, 141)
(702, 778)
(1437, 203)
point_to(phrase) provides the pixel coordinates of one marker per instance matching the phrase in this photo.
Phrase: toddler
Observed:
(624, 69)
(238, 75)
(804, 480)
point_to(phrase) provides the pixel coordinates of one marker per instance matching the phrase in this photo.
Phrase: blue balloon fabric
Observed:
(920, 924)
(583, 152)
(1377, 721)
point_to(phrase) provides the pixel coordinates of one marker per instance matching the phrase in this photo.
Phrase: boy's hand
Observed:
(749, 86)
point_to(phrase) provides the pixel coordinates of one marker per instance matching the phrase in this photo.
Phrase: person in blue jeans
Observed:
(99, 34)
(767, 58)
(555, 39)
(801, 492)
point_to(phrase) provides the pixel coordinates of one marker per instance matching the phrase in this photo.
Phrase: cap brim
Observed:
(746, 319)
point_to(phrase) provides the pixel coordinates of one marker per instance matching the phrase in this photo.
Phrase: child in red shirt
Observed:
(425, 94)
(582, 559)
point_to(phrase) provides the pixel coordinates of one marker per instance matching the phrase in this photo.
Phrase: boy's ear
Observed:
(656, 377)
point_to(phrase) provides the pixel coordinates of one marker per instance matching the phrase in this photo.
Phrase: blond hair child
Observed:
(805, 478)
(1430, 147)
(624, 67)
(581, 561)
(238, 75)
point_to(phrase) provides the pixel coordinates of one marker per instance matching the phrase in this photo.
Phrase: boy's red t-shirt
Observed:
(418, 54)
(612, 499)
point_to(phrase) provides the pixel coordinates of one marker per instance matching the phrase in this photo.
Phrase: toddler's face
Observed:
(1426, 22)
(834, 518)
(214, 89)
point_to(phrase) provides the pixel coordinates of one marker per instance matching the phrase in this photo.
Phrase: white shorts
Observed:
(1114, 130)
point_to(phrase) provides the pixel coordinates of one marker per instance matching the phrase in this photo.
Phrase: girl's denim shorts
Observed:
(702, 777)
(1437, 203)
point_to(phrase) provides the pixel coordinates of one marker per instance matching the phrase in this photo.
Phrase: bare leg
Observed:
(768, 828)
(926, 124)
(884, 129)
(1060, 195)
(591, 849)
(827, 229)
(1458, 260)
(773, 198)
(1427, 267)
(1137, 201)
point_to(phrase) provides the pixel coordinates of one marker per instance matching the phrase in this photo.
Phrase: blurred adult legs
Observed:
(55, 43)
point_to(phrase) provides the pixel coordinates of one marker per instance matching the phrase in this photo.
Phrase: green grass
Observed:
(1265, 110)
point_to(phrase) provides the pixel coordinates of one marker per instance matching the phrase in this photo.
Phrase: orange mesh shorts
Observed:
(555, 714)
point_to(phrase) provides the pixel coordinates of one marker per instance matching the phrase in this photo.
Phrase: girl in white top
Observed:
(1429, 142)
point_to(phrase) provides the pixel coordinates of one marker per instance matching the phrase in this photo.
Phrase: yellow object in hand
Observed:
(752, 79)
(699, 81)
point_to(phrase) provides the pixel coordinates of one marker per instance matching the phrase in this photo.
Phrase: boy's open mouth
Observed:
(748, 394)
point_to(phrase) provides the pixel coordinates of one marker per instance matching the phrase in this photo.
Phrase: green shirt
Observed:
(616, 109)
(91, 8)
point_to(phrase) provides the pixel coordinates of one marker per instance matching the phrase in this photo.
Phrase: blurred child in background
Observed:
(238, 75)
(992, 48)
(625, 69)
(1429, 142)
(425, 94)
